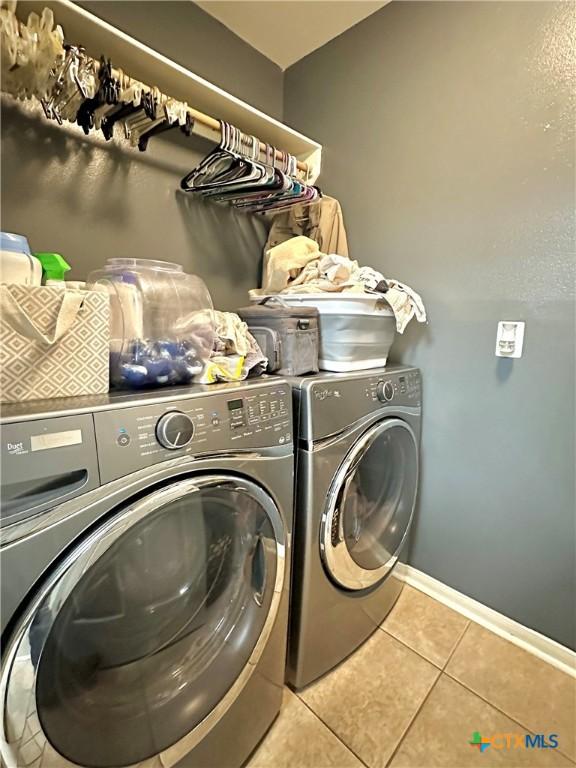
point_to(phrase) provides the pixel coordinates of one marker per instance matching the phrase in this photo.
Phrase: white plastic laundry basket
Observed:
(356, 330)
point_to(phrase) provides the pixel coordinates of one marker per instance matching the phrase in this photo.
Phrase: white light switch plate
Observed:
(510, 338)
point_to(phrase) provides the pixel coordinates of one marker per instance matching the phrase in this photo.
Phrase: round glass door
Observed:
(154, 627)
(370, 506)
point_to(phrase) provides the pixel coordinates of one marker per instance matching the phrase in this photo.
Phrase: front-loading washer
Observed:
(356, 484)
(145, 576)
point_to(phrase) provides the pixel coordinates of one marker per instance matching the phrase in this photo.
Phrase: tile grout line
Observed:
(413, 720)
(501, 711)
(404, 645)
(388, 633)
(453, 651)
(408, 647)
(522, 636)
(317, 716)
(444, 671)
(482, 698)
(425, 699)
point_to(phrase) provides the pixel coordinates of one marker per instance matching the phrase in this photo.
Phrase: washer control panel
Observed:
(131, 438)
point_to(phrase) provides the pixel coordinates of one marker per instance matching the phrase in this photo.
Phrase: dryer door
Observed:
(370, 506)
(148, 631)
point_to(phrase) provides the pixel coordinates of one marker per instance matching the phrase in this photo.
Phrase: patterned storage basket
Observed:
(53, 343)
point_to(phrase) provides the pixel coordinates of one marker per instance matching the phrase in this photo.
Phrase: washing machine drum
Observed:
(149, 630)
(370, 506)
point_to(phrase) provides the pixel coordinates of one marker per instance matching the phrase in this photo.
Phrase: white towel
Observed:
(236, 354)
(405, 304)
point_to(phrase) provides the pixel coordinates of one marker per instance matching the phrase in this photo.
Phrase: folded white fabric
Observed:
(405, 304)
(337, 269)
(231, 334)
(236, 353)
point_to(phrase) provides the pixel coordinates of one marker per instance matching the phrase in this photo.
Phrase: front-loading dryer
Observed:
(356, 485)
(145, 570)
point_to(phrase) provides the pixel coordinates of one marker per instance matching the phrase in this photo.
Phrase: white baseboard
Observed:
(541, 646)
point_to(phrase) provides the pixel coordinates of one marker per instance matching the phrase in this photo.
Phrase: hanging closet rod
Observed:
(208, 122)
(151, 66)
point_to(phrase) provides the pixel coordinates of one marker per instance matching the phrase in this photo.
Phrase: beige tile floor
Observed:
(414, 693)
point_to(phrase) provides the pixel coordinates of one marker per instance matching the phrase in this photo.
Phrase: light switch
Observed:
(509, 338)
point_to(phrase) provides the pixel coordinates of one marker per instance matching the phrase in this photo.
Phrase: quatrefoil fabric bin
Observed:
(53, 343)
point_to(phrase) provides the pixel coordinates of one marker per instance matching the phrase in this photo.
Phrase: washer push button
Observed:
(123, 438)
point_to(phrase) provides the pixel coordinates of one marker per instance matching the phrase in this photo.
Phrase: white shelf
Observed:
(147, 65)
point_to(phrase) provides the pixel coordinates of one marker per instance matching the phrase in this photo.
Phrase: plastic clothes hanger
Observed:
(262, 175)
(234, 173)
(217, 161)
(109, 121)
(167, 124)
(107, 94)
(295, 192)
(67, 87)
(223, 167)
(142, 120)
(273, 181)
(277, 182)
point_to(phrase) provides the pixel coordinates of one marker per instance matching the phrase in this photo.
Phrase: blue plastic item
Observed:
(15, 243)
(134, 375)
(157, 362)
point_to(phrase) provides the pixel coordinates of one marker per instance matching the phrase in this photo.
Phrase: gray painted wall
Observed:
(448, 135)
(90, 200)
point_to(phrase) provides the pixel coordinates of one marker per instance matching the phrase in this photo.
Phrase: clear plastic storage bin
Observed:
(161, 322)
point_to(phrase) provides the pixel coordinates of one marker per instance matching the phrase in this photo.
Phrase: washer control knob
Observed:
(385, 391)
(174, 430)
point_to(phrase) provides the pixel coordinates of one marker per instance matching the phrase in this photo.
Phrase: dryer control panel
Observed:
(331, 403)
(400, 389)
(131, 438)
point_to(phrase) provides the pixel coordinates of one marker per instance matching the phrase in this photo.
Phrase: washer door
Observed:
(370, 506)
(149, 630)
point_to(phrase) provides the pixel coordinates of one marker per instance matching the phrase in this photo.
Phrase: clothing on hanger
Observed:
(321, 221)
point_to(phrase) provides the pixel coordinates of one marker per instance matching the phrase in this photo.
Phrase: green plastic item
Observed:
(54, 266)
